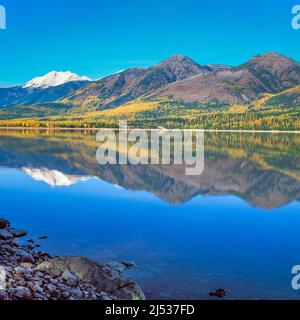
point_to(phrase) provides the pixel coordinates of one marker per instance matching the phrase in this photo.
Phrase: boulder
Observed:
(101, 276)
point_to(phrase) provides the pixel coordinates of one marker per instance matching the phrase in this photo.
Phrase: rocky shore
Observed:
(26, 273)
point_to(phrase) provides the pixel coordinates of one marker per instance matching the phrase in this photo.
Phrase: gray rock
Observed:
(70, 278)
(53, 281)
(17, 233)
(25, 256)
(5, 235)
(3, 295)
(38, 296)
(38, 288)
(26, 265)
(23, 271)
(51, 288)
(21, 252)
(27, 259)
(54, 293)
(22, 293)
(77, 293)
(49, 268)
(65, 295)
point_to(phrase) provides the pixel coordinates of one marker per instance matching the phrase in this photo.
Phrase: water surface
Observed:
(236, 226)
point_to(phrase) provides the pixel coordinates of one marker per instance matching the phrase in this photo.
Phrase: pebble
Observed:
(23, 271)
(22, 293)
(3, 295)
(5, 234)
(27, 258)
(70, 278)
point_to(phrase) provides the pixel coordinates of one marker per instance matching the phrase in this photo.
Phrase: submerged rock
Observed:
(43, 238)
(121, 266)
(129, 264)
(17, 233)
(220, 293)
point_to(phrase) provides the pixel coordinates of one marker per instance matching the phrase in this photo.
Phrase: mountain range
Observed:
(177, 88)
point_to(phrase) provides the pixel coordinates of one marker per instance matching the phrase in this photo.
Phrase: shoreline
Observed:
(26, 273)
(118, 129)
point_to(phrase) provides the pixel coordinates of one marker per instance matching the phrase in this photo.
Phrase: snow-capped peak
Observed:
(54, 79)
(54, 178)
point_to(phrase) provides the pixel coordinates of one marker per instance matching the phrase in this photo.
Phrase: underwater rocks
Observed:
(17, 233)
(28, 274)
(220, 293)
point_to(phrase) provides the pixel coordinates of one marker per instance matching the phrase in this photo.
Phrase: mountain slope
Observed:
(276, 71)
(16, 96)
(286, 99)
(131, 84)
(270, 73)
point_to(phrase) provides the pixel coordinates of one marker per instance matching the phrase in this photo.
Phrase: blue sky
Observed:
(97, 37)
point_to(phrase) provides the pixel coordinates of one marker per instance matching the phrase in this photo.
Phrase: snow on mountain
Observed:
(54, 79)
(54, 178)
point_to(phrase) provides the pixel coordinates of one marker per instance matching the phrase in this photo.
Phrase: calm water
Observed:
(236, 226)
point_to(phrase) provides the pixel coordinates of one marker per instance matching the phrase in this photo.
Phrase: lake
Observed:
(235, 226)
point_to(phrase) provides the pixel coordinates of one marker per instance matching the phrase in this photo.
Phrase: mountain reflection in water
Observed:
(262, 169)
(236, 226)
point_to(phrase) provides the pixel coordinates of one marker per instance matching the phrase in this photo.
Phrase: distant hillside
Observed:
(286, 99)
(16, 96)
(270, 73)
(131, 84)
(263, 93)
